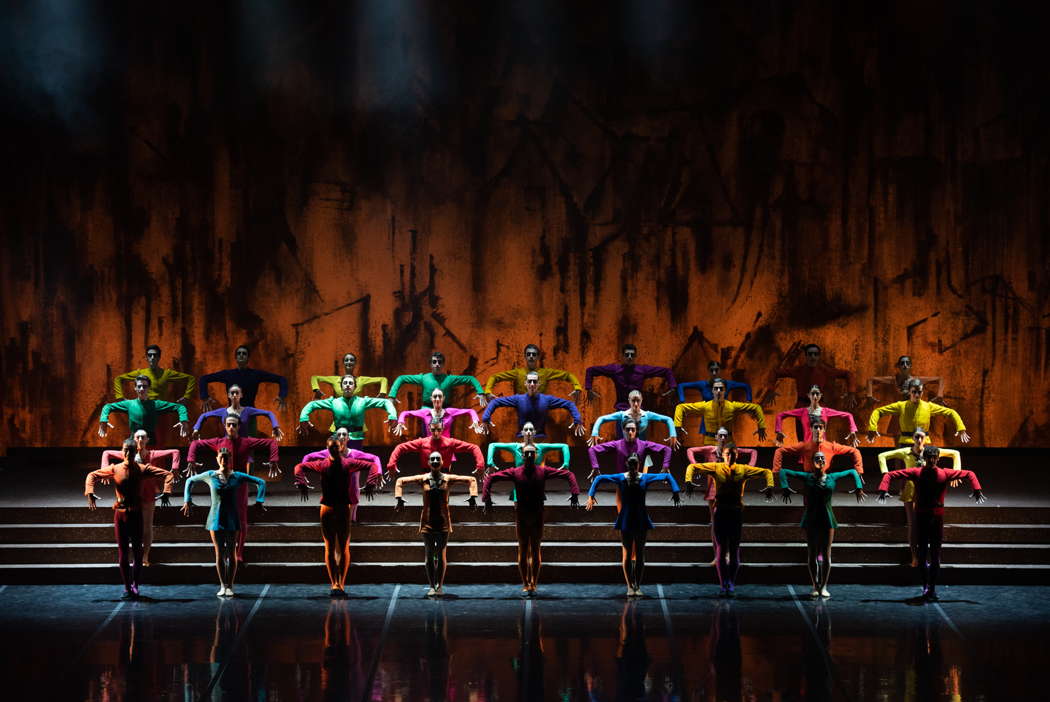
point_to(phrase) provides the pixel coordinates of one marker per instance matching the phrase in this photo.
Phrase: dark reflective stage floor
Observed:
(289, 642)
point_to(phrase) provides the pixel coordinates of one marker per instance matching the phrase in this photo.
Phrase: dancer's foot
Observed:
(824, 593)
(128, 595)
(815, 594)
(638, 591)
(931, 595)
(731, 590)
(431, 592)
(914, 562)
(134, 589)
(335, 593)
(439, 592)
(221, 592)
(526, 592)
(630, 591)
(723, 592)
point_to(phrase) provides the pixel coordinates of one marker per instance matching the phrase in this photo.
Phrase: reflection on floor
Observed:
(291, 642)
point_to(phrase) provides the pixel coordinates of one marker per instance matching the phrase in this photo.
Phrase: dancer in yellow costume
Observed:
(719, 412)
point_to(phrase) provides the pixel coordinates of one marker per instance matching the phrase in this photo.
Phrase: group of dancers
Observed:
(344, 472)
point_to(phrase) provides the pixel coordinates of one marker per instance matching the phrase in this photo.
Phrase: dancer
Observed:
(161, 379)
(912, 413)
(240, 448)
(901, 379)
(633, 520)
(627, 376)
(146, 455)
(435, 522)
(516, 449)
(516, 376)
(711, 454)
(244, 412)
(805, 415)
(629, 445)
(437, 410)
(142, 412)
(447, 447)
(730, 478)
(818, 520)
(529, 488)
(805, 451)
(437, 378)
(127, 477)
(641, 417)
(813, 372)
(226, 518)
(375, 474)
(248, 379)
(349, 366)
(931, 486)
(714, 369)
(336, 488)
(719, 412)
(912, 458)
(533, 407)
(348, 411)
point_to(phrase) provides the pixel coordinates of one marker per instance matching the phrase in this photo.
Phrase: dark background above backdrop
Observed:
(708, 180)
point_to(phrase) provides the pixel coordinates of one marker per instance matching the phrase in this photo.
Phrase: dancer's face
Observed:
(718, 390)
(529, 457)
(437, 365)
(349, 363)
(342, 436)
(636, 402)
(815, 395)
(727, 455)
(334, 450)
(436, 428)
(241, 355)
(233, 427)
(630, 432)
(141, 440)
(434, 461)
(528, 432)
(914, 393)
(127, 452)
(348, 385)
(920, 439)
(142, 389)
(153, 358)
(532, 358)
(812, 356)
(819, 461)
(714, 368)
(819, 431)
(532, 384)
(437, 398)
(629, 356)
(223, 460)
(235, 394)
(904, 364)
(722, 436)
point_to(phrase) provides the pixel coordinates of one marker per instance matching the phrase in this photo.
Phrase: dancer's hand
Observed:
(183, 427)
(280, 404)
(478, 427)
(207, 404)
(592, 440)
(196, 435)
(304, 428)
(768, 492)
(872, 435)
(277, 434)
(592, 475)
(673, 442)
(680, 430)
(259, 507)
(369, 491)
(978, 496)
(91, 501)
(275, 470)
(575, 396)
(191, 469)
(399, 505)
(955, 483)
(186, 507)
(577, 429)
(689, 489)
(391, 425)
(778, 438)
(472, 501)
(676, 499)
(304, 491)
(852, 439)
(574, 501)
(103, 429)
(761, 434)
(963, 436)
(165, 499)
(881, 499)
(399, 429)
(785, 495)
(939, 400)
(591, 502)
(487, 507)
(859, 494)
(850, 400)
(318, 395)
(592, 395)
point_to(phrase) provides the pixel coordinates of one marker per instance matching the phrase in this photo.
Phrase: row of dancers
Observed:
(530, 400)
(339, 465)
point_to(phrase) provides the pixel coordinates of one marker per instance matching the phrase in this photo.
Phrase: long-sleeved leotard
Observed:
(151, 456)
(374, 473)
(226, 512)
(709, 454)
(911, 415)
(803, 415)
(633, 515)
(627, 378)
(529, 488)
(337, 487)
(447, 447)
(245, 415)
(818, 513)
(142, 414)
(128, 484)
(430, 382)
(247, 379)
(516, 376)
(644, 419)
(730, 481)
(718, 414)
(622, 449)
(448, 415)
(822, 376)
(361, 382)
(704, 386)
(159, 383)
(349, 415)
(435, 516)
(532, 408)
(907, 455)
(805, 451)
(930, 489)
(517, 451)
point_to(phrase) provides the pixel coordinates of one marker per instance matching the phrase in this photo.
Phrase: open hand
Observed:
(186, 507)
(275, 470)
(91, 502)
(304, 428)
(859, 494)
(304, 491)
(574, 501)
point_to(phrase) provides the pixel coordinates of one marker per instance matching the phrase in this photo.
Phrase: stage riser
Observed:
(504, 577)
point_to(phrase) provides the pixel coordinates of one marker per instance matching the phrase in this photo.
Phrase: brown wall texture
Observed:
(706, 179)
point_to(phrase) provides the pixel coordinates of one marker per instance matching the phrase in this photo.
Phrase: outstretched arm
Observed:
(486, 489)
